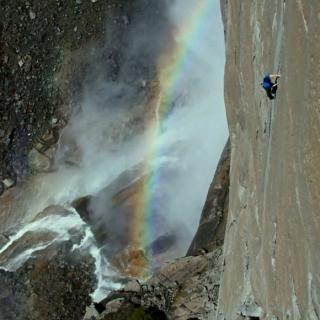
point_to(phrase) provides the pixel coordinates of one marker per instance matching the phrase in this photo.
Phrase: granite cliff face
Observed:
(271, 248)
(211, 230)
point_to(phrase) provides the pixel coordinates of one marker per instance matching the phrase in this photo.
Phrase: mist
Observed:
(191, 140)
(199, 121)
(104, 147)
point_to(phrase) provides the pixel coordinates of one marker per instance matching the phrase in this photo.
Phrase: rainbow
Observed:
(170, 69)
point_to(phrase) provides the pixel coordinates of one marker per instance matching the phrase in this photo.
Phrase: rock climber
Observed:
(270, 84)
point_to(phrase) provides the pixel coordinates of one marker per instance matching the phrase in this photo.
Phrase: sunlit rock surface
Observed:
(272, 253)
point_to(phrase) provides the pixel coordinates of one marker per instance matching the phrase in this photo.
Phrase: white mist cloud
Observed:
(198, 124)
(192, 140)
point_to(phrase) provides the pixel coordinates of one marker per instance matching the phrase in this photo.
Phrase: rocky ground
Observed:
(35, 38)
(42, 66)
(55, 286)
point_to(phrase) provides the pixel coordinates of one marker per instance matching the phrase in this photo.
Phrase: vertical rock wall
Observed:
(211, 230)
(272, 252)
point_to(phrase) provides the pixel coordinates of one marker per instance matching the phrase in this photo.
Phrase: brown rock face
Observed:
(210, 233)
(272, 253)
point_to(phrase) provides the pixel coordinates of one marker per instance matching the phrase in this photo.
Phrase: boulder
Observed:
(210, 233)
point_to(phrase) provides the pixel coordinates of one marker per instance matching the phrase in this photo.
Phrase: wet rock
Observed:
(14, 254)
(91, 313)
(131, 262)
(39, 162)
(8, 182)
(52, 210)
(251, 309)
(133, 286)
(118, 200)
(3, 240)
(55, 286)
(114, 305)
(186, 288)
